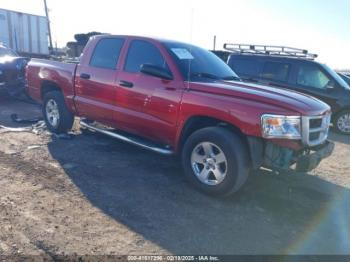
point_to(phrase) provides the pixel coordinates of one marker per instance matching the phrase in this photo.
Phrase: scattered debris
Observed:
(5, 129)
(55, 165)
(16, 119)
(33, 147)
(66, 136)
(39, 128)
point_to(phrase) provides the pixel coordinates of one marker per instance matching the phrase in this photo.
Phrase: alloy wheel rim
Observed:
(343, 123)
(209, 163)
(52, 113)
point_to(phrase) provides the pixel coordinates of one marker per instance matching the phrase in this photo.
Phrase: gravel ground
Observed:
(93, 195)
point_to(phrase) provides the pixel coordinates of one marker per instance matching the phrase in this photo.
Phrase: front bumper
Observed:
(273, 156)
(310, 161)
(12, 79)
(14, 86)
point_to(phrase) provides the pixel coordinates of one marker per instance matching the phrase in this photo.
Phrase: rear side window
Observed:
(106, 53)
(142, 52)
(245, 67)
(276, 71)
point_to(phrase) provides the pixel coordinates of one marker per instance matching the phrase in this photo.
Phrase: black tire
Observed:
(235, 151)
(66, 118)
(336, 122)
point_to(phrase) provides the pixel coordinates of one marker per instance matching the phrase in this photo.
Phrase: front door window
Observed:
(311, 76)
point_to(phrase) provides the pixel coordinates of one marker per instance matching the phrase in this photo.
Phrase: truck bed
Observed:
(43, 74)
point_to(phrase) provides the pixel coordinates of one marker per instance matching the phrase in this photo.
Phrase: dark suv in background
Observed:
(346, 77)
(294, 69)
(12, 71)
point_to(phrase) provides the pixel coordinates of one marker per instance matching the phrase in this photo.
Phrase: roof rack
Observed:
(270, 50)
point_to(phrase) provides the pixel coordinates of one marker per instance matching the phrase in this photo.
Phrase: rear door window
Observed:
(142, 52)
(245, 67)
(106, 53)
(311, 76)
(276, 71)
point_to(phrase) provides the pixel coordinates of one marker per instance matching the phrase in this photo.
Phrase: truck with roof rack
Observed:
(175, 98)
(295, 69)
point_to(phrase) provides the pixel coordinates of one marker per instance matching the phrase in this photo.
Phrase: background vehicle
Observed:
(12, 71)
(294, 69)
(345, 77)
(26, 34)
(171, 97)
(223, 55)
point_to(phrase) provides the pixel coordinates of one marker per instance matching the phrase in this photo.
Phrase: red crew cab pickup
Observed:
(176, 98)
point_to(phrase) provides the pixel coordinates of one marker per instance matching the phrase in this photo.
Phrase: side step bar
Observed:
(131, 140)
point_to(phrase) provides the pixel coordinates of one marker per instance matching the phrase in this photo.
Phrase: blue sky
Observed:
(320, 26)
(327, 16)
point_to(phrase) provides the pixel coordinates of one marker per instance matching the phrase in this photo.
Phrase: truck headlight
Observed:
(277, 126)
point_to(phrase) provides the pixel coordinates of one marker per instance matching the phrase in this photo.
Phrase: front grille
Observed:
(315, 129)
(314, 136)
(315, 123)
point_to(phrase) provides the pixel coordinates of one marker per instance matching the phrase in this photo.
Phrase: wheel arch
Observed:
(198, 122)
(342, 109)
(254, 145)
(48, 86)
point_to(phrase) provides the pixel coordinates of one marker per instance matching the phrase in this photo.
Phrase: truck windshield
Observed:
(336, 77)
(345, 78)
(6, 52)
(198, 64)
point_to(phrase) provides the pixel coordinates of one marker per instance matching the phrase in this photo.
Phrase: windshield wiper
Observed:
(231, 78)
(205, 75)
(215, 77)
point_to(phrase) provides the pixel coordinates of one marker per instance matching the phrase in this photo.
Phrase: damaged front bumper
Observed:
(13, 87)
(12, 81)
(312, 159)
(268, 154)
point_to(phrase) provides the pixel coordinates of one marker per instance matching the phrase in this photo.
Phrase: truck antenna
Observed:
(191, 40)
(48, 26)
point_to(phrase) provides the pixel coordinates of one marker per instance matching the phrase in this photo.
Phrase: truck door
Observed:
(148, 104)
(95, 81)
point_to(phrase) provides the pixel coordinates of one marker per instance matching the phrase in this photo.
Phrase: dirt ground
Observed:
(93, 195)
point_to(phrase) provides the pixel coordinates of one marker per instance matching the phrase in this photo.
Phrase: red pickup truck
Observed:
(176, 98)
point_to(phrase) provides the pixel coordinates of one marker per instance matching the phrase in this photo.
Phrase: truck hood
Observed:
(283, 98)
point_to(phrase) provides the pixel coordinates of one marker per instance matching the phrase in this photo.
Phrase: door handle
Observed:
(85, 76)
(126, 84)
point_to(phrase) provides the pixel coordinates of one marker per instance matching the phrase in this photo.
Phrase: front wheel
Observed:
(215, 161)
(341, 122)
(57, 117)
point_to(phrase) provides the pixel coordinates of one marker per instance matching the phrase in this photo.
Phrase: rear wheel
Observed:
(56, 114)
(341, 122)
(215, 161)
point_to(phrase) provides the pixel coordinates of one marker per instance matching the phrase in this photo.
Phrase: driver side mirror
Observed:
(156, 71)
